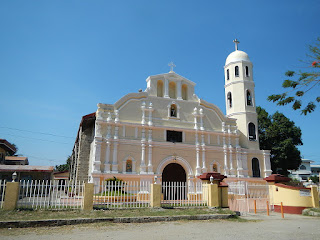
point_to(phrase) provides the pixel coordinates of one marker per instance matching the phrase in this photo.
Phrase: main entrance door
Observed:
(173, 178)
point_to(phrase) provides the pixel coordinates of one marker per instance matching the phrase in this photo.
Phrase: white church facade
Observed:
(168, 132)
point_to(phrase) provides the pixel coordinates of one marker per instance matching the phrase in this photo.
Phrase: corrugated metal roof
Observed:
(25, 168)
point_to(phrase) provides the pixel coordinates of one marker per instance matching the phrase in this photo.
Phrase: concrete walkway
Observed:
(259, 227)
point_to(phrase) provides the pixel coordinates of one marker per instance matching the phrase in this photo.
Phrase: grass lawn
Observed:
(71, 214)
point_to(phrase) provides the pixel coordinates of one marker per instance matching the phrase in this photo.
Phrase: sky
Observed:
(59, 59)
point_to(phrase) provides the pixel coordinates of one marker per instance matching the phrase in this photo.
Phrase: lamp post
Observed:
(211, 179)
(14, 176)
(155, 179)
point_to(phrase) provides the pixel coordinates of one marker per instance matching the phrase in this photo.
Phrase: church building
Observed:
(168, 132)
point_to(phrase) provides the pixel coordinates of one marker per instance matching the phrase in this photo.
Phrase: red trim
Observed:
(277, 178)
(289, 209)
(290, 187)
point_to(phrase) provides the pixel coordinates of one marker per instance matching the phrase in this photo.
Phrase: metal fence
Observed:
(2, 191)
(245, 197)
(181, 194)
(50, 194)
(119, 194)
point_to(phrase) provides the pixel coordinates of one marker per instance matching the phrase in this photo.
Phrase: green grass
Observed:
(72, 214)
(310, 211)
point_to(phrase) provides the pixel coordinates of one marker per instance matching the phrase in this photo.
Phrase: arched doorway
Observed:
(255, 168)
(173, 177)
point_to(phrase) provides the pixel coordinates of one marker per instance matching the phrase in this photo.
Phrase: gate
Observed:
(181, 194)
(131, 194)
(245, 197)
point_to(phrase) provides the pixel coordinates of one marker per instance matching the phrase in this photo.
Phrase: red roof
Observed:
(25, 168)
(7, 145)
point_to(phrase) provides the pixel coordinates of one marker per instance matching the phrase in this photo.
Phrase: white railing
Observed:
(2, 191)
(119, 194)
(181, 194)
(245, 197)
(37, 194)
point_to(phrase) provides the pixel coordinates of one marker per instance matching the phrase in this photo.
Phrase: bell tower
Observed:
(240, 96)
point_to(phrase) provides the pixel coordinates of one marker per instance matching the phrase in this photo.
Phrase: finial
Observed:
(236, 41)
(171, 65)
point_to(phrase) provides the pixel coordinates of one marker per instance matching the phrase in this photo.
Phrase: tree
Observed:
(280, 135)
(305, 82)
(64, 167)
(16, 150)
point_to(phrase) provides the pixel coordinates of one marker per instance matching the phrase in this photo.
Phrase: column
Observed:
(232, 170)
(203, 148)
(238, 158)
(198, 168)
(166, 88)
(143, 108)
(195, 115)
(115, 150)
(201, 119)
(150, 109)
(267, 164)
(143, 152)
(97, 155)
(107, 158)
(226, 170)
(179, 96)
(150, 168)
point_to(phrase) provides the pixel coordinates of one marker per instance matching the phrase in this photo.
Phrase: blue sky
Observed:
(58, 59)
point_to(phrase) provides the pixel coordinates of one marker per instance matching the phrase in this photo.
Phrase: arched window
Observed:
(303, 167)
(249, 98)
(129, 166)
(228, 76)
(172, 90)
(173, 110)
(184, 92)
(229, 97)
(255, 168)
(252, 132)
(247, 71)
(236, 71)
(159, 88)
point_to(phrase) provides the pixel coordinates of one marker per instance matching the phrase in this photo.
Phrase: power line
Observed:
(36, 139)
(43, 133)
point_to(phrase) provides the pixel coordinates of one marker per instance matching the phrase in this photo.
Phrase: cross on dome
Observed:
(171, 65)
(236, 41)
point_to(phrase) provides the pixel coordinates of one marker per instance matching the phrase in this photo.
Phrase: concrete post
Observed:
(224, 196)
(214, 197)
(88, 197)
(155, 195)
(11, 196)
(315, 196)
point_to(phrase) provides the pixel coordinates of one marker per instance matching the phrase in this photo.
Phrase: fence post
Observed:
(155, 195)
(315, 196)
(11, 196)
(213, 195)
(88, 197)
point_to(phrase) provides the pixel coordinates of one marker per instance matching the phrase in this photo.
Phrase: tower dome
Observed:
(237, 56)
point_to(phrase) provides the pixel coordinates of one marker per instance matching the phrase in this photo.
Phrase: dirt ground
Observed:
(252, 227)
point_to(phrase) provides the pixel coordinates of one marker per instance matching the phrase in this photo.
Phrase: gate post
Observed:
(155, 195)
(217, 190)
(88, 197)
(315, 196)
(11, 196)
(213, 195)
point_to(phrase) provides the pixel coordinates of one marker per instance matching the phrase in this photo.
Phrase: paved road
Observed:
(257, 227)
